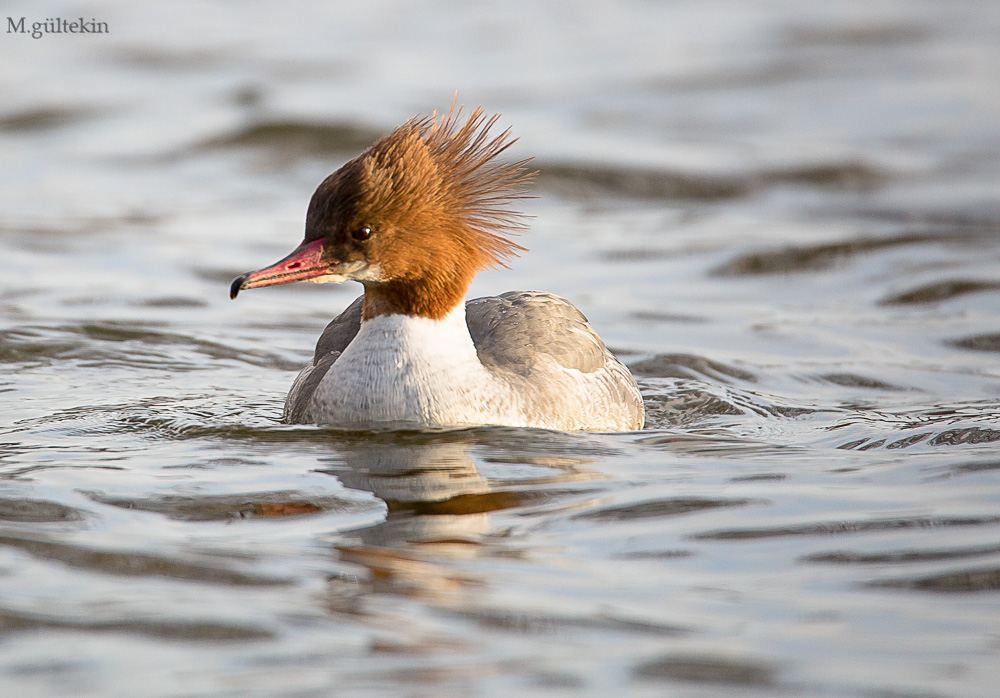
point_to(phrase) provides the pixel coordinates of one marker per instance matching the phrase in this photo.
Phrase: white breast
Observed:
(410, 371)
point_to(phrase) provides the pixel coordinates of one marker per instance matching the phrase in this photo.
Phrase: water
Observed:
(783, 216)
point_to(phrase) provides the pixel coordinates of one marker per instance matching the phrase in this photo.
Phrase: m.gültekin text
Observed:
(56, 25)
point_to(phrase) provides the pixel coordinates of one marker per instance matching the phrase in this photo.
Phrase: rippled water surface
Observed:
(782, 215)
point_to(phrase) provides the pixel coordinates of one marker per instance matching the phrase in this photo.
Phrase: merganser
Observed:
(414, 218)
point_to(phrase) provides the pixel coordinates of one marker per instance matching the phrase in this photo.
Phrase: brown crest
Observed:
(439, 204)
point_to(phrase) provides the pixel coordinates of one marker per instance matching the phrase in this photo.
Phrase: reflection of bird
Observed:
(424, 485)
(439, 506)
(413, 219)
(433, 488)
(411, 471)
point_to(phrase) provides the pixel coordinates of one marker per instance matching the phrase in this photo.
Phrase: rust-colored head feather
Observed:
(484, 188)
(437, 203)
(434, 167)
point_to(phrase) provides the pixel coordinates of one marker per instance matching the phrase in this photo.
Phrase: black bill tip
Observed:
(236, 286)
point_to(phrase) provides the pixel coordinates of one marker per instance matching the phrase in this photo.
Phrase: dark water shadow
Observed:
(36, 511)
(989, 342)
(854, 380)
(969, 468)
(705, 669)
(96, 344)
(526, 623)
(658, 508)
(802, 258)
(892, 557)
(839, 528)
(133, 564)
(586, 180)
(44, 118)
(190, 631)
(940, 291)
(689, 366)
(256, 506)
(284, 141)
(959, 582)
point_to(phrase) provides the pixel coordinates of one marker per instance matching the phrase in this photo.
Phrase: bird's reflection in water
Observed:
(439, 511)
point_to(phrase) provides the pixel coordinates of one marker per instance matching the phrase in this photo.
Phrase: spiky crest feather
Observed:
(433, 164)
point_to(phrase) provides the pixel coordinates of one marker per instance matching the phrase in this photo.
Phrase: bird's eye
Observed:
(361, 234)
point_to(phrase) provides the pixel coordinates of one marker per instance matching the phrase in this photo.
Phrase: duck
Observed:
(413, 219)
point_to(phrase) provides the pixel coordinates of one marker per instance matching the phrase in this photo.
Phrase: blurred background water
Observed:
(784, 217)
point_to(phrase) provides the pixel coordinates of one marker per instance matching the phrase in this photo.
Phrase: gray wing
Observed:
(522, 332)
(335, 338)
(513, 330)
